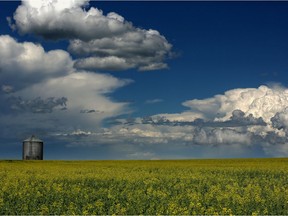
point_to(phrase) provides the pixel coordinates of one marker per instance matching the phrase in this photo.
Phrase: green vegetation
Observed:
(242, 186)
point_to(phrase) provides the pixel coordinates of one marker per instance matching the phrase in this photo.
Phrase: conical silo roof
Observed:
(33, 138)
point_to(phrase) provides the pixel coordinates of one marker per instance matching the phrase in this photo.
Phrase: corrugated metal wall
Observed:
(32, 150)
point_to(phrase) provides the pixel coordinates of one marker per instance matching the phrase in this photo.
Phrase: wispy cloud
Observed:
(7, 89)
(153, 101)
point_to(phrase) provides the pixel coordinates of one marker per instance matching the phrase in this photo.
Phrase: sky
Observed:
(99, 80)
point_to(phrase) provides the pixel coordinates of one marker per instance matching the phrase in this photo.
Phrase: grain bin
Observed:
(32, 149)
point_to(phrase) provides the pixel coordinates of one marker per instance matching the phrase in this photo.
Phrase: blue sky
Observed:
(144, 80)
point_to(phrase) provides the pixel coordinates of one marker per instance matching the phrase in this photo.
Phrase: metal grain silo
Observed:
(32, 149)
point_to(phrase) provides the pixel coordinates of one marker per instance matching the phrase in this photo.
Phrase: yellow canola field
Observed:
(181, 187)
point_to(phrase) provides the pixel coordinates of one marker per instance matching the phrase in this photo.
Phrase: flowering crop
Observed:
(183, 187)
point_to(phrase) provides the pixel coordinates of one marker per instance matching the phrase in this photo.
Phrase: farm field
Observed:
(185, 187)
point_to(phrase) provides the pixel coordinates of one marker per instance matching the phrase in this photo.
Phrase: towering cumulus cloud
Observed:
(262, 102)
(103, 42)
(238, 120)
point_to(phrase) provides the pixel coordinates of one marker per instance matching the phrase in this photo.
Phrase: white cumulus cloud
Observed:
(262, 102)
(27, 63)
(58, 19)
(240, 120)
(105, 42)
(82, 90)
(42, 91)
